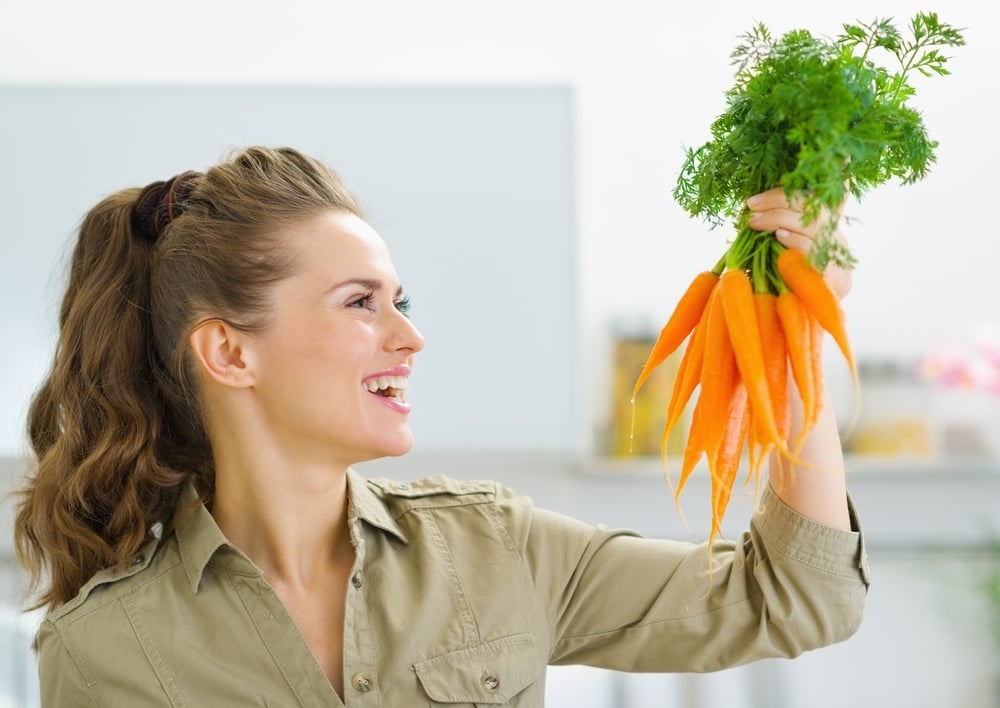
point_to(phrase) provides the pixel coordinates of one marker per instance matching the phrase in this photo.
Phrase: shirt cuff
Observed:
(799, 538)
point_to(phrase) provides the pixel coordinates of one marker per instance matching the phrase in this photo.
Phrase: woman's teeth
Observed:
(387, 385)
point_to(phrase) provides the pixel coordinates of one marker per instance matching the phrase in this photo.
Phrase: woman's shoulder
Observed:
(151, 564)
(446, 503)
(435, 485)
(440, 491)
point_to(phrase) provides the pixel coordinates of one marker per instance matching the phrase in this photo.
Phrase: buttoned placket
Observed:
(361, 686)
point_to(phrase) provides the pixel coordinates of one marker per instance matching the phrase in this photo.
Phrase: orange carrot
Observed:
(798, 341)
(820, 301)
(686, 379)
(726, 462)
(685, 316)
(757, 450)
(693, 449)
(772, 340)
(816, 351)
(741, 322)
(775, 355)
(719, 378)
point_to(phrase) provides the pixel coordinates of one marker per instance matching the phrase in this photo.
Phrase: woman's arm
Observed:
(817, 488)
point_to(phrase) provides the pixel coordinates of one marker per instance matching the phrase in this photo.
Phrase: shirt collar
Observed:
(368, 506)
(199, 537)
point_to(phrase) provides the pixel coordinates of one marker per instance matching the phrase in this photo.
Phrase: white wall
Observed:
(434, 167)
(649, 76)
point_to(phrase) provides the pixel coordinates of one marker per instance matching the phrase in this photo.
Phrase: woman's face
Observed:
(331, 371)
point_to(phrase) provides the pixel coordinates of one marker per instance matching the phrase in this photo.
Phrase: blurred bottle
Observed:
(631, 347)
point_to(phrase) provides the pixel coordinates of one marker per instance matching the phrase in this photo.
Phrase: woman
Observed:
(231, 343)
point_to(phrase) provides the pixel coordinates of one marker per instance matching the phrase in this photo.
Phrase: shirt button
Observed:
(490, 682)
(356, 580)
(362, 682)
(138, 560)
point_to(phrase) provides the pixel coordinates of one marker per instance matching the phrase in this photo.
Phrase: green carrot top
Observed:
(818, 117)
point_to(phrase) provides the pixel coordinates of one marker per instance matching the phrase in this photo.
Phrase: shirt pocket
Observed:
(498, 673)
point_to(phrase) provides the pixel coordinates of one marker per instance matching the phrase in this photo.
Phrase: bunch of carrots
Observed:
(821, 118)
(743, 339)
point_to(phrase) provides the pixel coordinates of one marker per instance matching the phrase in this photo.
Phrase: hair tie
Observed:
(160, 202)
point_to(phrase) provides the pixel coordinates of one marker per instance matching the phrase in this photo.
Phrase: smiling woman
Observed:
(231, 344)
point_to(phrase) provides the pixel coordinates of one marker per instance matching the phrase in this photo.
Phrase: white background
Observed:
(436, 169)
(649, 77)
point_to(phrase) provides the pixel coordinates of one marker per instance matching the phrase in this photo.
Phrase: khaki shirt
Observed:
(461, 594)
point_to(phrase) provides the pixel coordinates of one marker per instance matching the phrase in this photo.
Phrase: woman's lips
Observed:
(396, 404)
(389, 387)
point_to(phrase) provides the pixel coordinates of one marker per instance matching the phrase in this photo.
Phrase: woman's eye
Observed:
(366, 301)
(403, 306)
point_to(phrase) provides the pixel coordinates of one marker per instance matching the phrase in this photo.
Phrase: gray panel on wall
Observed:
(472, 187)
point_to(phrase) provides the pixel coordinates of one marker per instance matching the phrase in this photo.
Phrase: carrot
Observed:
(816, 351)
(820, 301)
(744, 332)
(693, 449)
(726, 461)
(772, 340)
(719, 376)
(686, 380)
(685, 317)
(799, 342)
(757, 450)
(775, 354)
(718, 380)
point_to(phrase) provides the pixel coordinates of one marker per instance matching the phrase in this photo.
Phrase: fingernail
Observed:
(782, 234)
(754, 200)
(754, 216)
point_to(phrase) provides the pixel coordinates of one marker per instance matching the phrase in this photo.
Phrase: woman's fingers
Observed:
(783, 218)
(771, 211)
(794, 240)
(771, 199)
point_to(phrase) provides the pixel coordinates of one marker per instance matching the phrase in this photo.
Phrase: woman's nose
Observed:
(407, 336)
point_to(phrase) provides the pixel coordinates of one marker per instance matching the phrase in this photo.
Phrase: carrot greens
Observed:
(817, 116)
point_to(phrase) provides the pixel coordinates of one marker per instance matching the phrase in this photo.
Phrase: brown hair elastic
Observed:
(160, 202)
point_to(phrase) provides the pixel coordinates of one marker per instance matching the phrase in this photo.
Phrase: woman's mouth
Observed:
(388, 386)
(391, 389)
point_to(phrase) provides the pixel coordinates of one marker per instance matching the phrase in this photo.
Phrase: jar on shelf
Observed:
(896, 417)
(636, 429)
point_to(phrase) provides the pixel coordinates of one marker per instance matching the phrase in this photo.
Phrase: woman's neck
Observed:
(288, 515)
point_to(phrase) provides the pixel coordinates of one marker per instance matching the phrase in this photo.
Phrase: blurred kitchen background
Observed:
(519, 159)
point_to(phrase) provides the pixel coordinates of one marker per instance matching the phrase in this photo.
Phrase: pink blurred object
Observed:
(975, 367)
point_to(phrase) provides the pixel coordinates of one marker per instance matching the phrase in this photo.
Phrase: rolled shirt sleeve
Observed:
(621, 601)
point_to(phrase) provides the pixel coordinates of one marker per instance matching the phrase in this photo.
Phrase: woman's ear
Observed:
(221, 350)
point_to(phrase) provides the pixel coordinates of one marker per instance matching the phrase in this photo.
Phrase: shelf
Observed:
(904, 505)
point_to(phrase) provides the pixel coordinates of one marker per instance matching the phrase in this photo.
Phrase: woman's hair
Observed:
(117, 426)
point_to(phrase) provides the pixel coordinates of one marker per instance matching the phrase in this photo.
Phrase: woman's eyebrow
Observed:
(367, 283)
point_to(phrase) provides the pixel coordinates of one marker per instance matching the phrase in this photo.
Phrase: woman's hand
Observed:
(772, 212)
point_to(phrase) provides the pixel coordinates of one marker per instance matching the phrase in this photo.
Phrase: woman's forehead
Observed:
(337, 244)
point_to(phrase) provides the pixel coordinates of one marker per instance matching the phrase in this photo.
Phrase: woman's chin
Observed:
(396, 447)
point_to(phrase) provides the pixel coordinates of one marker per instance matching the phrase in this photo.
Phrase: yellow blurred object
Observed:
(894, 420)
(900, 436)
(630, 353)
